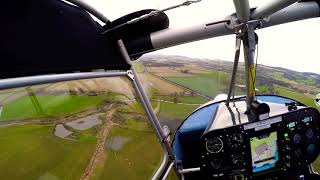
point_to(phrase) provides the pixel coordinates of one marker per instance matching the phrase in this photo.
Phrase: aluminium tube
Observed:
(168, 171)
(152, 117)
(43, 79)
(243, 10)
(161, 168)
(249, 46)
(295, 12)
(147, 105)
(172, 37)
(271, 7)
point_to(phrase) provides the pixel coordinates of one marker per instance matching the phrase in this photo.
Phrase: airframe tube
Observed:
(53, 78)
(243, 10)
(296, 12)
(271, 7)
(171, 37)
(146, 104)
(249, 46)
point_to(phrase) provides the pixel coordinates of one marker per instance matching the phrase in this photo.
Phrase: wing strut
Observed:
(234, 70)
(249, 47)
(246, 33)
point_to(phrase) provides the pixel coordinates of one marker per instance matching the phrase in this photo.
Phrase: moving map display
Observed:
(264, 152)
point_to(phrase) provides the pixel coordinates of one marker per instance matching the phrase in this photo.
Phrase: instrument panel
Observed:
(282, 144)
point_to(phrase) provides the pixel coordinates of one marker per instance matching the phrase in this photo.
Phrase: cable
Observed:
(152, 13)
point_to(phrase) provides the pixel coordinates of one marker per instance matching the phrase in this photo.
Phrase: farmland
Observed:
(32, 151)
(123, 145)
(306, 99)
(23, 108)
(214, 83)
(126, 161)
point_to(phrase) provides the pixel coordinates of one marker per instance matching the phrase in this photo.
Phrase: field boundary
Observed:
(181, 86)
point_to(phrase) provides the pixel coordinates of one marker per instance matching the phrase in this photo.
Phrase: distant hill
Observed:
(266, 75)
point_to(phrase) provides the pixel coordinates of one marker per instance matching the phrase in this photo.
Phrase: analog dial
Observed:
(214, 145)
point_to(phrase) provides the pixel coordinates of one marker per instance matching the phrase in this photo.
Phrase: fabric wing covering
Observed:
(52, 36)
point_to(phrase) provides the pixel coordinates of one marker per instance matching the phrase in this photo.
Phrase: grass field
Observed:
(175, 111)
(185, 99)
(303, 98)
(138, 66)
(316, 164)
(179, 111)
(170, 110)
(280, 76)
(33, 152)
(210, 84)
(137, 159)
(150, 81)
(262, 89)
(23, 108)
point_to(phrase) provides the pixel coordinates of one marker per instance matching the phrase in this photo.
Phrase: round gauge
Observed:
(311, 149)
(235, 141)
(297, 139)
(214, 145)
(310, 133)
(216, 163)
(237, 138)
(237, 161)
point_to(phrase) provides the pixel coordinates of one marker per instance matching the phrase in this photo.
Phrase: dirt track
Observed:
(99, 153)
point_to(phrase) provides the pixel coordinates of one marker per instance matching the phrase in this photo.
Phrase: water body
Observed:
(116, 143)
(61, 131)
(85, 122)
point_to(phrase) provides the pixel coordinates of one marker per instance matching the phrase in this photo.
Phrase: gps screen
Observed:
(264, 152)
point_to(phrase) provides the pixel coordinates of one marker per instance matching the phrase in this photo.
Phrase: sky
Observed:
(293, 45)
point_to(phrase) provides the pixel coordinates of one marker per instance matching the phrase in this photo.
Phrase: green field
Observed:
(262, 89)
(316, 164)
(303, 98)
(138, 158)
(210, 84)
(181, 109)
(175, 111)
(139, 67)
(185, 99)
(170, 110)
(23, 108)
(33, 152)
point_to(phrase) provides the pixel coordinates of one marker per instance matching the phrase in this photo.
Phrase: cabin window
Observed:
(85, 129)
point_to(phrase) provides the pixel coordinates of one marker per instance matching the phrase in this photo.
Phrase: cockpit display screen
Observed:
(264, 152)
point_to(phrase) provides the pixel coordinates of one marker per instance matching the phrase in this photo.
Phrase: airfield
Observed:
(97, 129)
